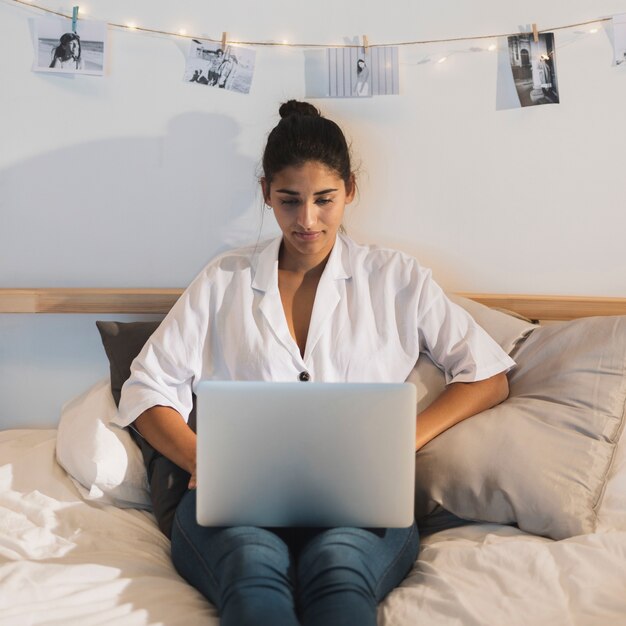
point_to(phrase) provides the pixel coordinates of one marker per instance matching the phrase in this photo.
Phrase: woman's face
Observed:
(73, 45)
(308, 202)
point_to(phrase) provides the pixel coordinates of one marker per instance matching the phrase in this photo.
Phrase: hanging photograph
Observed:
(354, 72)
(533, 68)
(619, 38)
(231, 68)
(59, 49)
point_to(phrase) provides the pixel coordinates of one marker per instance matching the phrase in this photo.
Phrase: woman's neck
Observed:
(296, 263)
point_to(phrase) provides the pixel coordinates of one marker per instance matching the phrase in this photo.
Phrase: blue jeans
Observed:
(291, 576)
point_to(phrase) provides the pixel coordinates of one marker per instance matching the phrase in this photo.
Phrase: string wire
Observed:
(417, 42)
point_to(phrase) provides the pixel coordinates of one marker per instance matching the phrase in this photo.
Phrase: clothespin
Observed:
(535, 33)
(224, 35)
(366, 44)
(74, 18)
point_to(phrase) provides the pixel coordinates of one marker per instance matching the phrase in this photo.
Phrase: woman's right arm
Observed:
(166, 431)
(157, 397)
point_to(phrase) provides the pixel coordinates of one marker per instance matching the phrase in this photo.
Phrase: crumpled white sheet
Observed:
(488, 574)
(67, 562)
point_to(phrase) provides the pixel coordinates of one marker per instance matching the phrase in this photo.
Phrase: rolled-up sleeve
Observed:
(454, 341)
(163, 372)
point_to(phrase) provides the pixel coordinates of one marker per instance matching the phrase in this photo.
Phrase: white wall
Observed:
(137, 179)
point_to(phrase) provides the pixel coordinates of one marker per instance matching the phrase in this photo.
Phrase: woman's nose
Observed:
(307, 215)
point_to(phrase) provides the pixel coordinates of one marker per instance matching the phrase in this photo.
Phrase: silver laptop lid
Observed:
(305, 454)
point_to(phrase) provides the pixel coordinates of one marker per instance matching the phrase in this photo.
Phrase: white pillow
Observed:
(101, 458)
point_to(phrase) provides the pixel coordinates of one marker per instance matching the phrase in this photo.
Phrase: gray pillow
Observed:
(540, 459)
(122, 342)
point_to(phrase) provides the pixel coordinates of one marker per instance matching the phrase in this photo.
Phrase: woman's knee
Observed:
(253, 569)
(254, 552)
(369, 562)
(336, 558)
(215, 555)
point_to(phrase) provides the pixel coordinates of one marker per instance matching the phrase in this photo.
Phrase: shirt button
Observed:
(304, 377)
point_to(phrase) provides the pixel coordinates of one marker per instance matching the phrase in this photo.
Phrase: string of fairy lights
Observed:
(364, 42)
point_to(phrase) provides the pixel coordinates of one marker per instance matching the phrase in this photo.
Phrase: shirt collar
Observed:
(266, 265)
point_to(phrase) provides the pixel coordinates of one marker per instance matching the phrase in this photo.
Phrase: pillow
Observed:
(101, 458)
(506, 329)
(122, 342)
(612, 510)
(540, 459)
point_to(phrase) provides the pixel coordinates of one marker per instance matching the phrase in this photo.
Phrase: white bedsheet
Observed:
(67, 562)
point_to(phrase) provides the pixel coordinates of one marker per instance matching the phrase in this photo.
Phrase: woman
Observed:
(362, 85)
(312, 301)
(68, 54)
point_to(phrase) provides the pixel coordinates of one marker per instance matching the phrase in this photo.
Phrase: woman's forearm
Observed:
(165, 430)
(458, 402)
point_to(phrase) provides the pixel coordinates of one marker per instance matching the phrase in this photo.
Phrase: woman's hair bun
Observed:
(295, 107)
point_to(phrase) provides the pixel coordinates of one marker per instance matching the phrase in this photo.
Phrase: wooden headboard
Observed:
(157, 301)
(82, 361)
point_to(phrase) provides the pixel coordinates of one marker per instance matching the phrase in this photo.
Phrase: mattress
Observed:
(68, 561)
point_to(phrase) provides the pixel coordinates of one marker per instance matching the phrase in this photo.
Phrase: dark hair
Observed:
(62, 51)
(303, 135)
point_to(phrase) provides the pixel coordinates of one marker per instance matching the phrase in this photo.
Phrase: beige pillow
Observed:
(540, 459)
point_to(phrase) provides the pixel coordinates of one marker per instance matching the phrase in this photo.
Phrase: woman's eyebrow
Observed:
(291, 192)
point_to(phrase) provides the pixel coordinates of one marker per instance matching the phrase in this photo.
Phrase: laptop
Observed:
(305, 454)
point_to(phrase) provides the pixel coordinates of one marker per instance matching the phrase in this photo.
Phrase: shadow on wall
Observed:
(130, 211)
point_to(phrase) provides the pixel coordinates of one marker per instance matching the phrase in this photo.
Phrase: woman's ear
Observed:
(265, 188)
(351, 189)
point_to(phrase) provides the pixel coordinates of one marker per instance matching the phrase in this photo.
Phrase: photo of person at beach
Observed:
(229, 67)
(60, 49)
(68, 54)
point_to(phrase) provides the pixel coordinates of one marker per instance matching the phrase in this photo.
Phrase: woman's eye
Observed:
(296, 201)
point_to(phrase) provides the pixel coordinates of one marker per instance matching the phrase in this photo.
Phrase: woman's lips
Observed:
(307, 236)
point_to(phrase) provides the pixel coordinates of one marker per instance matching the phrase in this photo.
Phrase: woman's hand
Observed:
(192, 479)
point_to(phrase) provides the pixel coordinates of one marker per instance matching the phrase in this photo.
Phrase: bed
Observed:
(522, 508)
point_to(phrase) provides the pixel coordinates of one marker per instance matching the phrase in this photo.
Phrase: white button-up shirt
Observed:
(375, 311)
